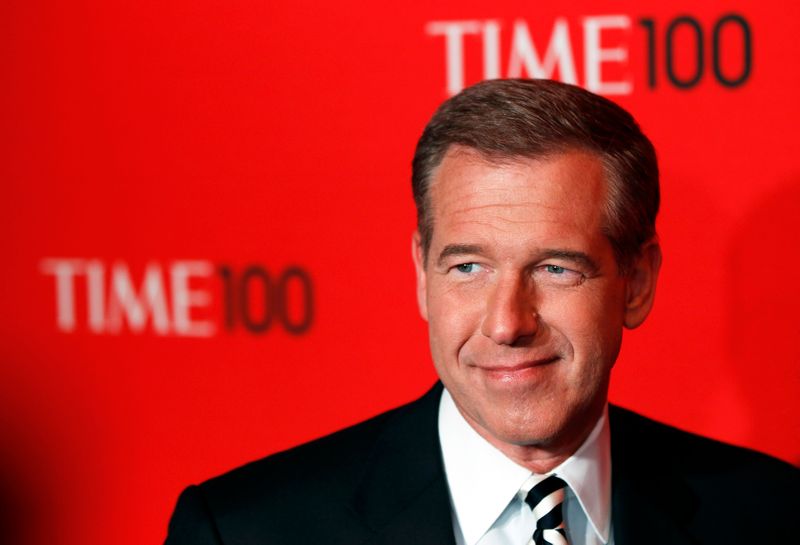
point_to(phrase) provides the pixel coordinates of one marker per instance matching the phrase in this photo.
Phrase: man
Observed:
(535, 247)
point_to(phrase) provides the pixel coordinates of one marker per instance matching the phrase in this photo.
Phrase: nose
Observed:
(510, 312)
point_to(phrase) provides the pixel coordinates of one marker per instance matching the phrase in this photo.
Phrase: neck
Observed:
(544, 455)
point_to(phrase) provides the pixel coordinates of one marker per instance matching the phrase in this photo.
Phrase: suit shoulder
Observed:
(337, 456)
(696, 456)
(275, 497)
(330, 468)
(324, 490)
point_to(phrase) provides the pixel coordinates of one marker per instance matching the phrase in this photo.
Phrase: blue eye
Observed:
(466, 267)
(556, 275)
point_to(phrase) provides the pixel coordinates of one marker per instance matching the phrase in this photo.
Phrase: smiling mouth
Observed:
(518, 367)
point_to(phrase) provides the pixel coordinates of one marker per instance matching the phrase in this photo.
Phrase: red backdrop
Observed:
(207, 227)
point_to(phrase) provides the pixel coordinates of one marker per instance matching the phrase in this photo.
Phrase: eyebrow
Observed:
(571, 255)
(458, 249)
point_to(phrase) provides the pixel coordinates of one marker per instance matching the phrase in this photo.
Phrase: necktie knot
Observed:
(544, 494)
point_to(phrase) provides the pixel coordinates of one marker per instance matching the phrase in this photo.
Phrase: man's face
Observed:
(521, 291)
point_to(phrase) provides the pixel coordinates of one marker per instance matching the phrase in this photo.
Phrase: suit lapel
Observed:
(650, 503)
(403, 497)
(403, 494)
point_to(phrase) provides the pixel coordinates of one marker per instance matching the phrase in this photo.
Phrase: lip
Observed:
(508, 372)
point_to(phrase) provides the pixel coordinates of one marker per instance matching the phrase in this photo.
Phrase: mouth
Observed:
(517, 371)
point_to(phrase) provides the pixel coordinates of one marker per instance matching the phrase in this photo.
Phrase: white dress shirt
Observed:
(484, 486)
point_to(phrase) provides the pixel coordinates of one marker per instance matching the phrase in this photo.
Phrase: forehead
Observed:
(560, 193)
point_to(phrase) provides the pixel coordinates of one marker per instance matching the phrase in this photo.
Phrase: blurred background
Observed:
(208, 215)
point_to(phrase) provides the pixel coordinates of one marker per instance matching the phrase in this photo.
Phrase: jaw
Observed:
(537, 425)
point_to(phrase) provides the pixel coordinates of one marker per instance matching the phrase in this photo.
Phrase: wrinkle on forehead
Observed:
(473, 207)
(508, 194)
(513, 176)
(471, 190)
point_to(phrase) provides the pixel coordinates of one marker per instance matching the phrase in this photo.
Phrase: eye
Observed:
(467, 268)
(555, 269)
(557, 275)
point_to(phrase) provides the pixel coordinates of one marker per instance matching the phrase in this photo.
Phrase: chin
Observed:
(540, 435)
(531, 428)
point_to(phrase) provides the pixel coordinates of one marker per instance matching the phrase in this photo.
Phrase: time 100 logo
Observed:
(276, 291)
(186, 298)
(509, 48)
(662, 42)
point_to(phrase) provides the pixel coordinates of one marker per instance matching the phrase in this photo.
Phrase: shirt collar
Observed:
(588, 474)
(482, 480)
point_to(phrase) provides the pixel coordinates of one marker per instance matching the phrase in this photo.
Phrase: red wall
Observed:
(198, 151)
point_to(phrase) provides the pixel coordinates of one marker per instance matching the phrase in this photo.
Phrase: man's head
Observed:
(535, 118)
(537, 203)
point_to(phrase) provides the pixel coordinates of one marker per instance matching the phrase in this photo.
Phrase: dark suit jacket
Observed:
(382, 482)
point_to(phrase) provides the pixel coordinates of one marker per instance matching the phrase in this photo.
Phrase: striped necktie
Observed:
(545, 495)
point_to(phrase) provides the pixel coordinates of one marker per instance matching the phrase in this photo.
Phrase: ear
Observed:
(640, 290)
(417, 254)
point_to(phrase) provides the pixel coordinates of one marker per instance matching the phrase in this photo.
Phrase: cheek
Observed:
(590, 323)
(452, 317)
(444, 332)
